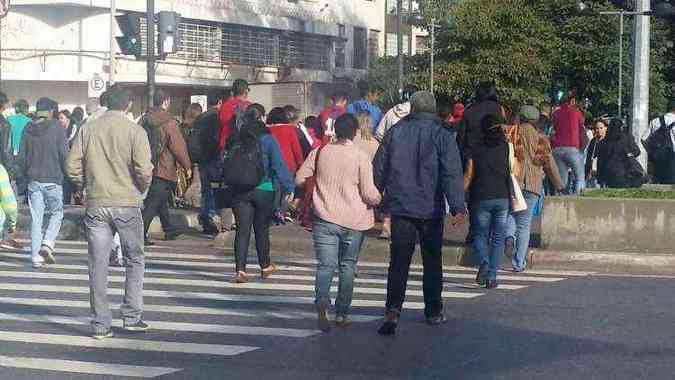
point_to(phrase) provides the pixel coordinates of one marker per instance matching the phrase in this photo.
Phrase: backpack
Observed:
(203, 142)
(243, 166)
(154, 138)
(239, 114)
(659, 145)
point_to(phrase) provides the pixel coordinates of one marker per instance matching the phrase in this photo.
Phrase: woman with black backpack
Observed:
(617, 164)
(252, 164)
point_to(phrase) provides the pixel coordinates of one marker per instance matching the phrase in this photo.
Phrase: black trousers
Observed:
(157, 204)
(404, 235)
(253, 209)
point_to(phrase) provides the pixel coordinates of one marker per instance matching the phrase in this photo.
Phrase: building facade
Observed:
(289, 49)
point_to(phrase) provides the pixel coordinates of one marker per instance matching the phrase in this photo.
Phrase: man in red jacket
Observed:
(337, 108)
(229, 110)
(569, 142)
(286, 134)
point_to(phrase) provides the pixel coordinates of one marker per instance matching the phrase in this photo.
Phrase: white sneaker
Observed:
(38, 264)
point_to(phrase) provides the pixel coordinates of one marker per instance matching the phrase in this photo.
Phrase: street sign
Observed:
(96, 87)
(4, 8)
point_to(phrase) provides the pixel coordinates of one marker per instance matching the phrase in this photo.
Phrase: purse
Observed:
(517, 199)
(307, 218)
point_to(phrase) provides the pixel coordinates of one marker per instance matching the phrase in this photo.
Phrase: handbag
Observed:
(517, 199)
(307, 218)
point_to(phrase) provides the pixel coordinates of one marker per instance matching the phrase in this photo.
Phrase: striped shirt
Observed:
(7, 198)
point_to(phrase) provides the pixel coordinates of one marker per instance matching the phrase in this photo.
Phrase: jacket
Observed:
(364, 105)
(8, 205)
(208, 127)
(328, 117)
(174, 149)
(228, 118)
(613, 155)
(274, 166)
(533, 151)
(569, 130)
(42, 156)
(392, 117)
(110, 159)
(470, 130)
(291, 150)
(418, 168)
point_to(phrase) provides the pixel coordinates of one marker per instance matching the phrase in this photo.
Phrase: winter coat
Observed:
(392, 117)
(174, 149)
(614, 153)
(470, 128)
(43, 153)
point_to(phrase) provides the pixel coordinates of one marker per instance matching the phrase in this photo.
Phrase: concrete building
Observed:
(295, 51)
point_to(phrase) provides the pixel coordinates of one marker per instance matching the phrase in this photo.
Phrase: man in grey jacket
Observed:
(112, 160)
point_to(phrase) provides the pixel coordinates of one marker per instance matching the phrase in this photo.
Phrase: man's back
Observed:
(417, 163)
(569, 127)
(116, 161)
(43, 152)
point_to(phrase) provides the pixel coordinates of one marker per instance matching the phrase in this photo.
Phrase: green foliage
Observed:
(523, 44)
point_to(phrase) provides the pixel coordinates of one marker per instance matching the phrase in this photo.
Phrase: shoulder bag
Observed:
(517, 199)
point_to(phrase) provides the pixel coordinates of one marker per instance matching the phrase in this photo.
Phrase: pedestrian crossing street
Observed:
(194, 311)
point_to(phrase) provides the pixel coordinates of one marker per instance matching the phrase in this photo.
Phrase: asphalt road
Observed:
(539, 325)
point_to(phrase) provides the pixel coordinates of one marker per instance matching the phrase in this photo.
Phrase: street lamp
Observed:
(418, 20)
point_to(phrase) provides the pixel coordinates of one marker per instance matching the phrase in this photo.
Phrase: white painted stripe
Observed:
(125, 344)
(219, 297)
(90, 368)
(247, 313)
(209, 283)
(172, 326)
(83, 243)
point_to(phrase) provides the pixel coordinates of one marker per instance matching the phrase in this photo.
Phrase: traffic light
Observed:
(560, 89)
(168, 32)
(130, 41)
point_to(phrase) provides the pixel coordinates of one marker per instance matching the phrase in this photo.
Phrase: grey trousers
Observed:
(101, 225)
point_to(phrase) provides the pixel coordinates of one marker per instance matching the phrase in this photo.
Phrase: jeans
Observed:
(208, 203)
(490, 216)
(253, 209)
(44, 199)
(157, 204)
(518, 228)
(570, 158)
(101, 224)
(404, 234)
(336, 246)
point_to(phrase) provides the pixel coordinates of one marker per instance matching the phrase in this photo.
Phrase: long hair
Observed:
(365, 125)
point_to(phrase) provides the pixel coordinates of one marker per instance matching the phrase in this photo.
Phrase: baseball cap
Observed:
(44, 105)
(529, 112)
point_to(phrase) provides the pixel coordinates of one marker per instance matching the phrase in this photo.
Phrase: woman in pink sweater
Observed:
(343, 202)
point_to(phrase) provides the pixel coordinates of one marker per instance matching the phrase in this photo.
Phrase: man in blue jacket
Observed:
(418, 168)
(369, 96)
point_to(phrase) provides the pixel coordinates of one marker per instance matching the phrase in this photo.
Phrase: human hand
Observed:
(458, 219)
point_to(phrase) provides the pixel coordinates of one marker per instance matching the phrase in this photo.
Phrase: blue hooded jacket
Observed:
(364, 105)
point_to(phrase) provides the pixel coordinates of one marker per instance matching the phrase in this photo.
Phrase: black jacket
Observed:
(615, 159)
(474, 114)
(203, 145)
(593, 152)
(418, 167)
(43, 156)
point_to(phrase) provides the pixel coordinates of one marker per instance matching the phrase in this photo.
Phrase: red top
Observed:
(291, 150)
(331, 112)
(569, 127)
(227, 116)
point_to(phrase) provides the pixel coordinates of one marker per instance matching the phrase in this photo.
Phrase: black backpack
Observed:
(154, 138)
(203, 142)
(243, 166)
(659, 145)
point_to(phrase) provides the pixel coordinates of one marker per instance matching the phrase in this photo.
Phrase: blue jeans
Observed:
(571, 158)
(490, 216)
(518, 229)
(336, 247)
(44, 199)
(208, 203)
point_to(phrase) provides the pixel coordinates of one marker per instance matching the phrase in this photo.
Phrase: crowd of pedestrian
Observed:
(336, 174)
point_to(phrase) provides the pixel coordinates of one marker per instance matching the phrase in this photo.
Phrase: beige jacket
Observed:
(111, 160)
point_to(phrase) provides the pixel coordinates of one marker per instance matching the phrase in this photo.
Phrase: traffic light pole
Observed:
(151, 51)
(113, 12)
(640, 107)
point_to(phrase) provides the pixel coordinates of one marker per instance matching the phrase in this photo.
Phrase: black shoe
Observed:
(509, 248)
(172, 236)
(491, 284)
(389, 325)
(102, 334)
(139, 326)
(437, 320)
(481, 277)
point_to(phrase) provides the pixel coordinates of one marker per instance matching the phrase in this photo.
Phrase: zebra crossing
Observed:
(194, 310)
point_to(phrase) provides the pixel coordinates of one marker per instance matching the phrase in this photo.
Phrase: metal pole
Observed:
(399, 45)
(410, 36)
(621, 66)
(151, 51)
(431, 54)
(640, 109)
(0, 52)
(113, 12)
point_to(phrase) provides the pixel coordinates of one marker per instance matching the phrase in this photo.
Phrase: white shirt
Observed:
(656, 124)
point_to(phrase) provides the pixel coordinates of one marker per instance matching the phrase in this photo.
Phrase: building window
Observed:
(340, 47)
(360, 48)
(391, 6)
(199, 42)
(422, 44)
(392, 47)
(373, 45)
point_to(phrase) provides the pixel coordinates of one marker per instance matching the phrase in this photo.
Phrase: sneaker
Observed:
(149, 243)
(171, 236)
(98, 335)
(342, 321)
(385, 235)
(47, 253)
(139, 326)
(241, 277)
(481, 277)
(437, 320)
(322, 313)
(38, 264)
(11, 244)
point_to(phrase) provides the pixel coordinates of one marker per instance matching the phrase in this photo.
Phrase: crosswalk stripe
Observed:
(217, 296)
(172, 326)
(89, 368)
(125, 344)
(171, 309)
(214, 284)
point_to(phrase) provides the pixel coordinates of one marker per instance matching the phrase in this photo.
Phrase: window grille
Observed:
(360, 48)
(373, 45)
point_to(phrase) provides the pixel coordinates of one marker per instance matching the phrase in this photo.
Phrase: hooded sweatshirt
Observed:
(42, 157)
(392, 117)
(174, 149)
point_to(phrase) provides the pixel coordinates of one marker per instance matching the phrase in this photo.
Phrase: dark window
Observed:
(360, 48)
